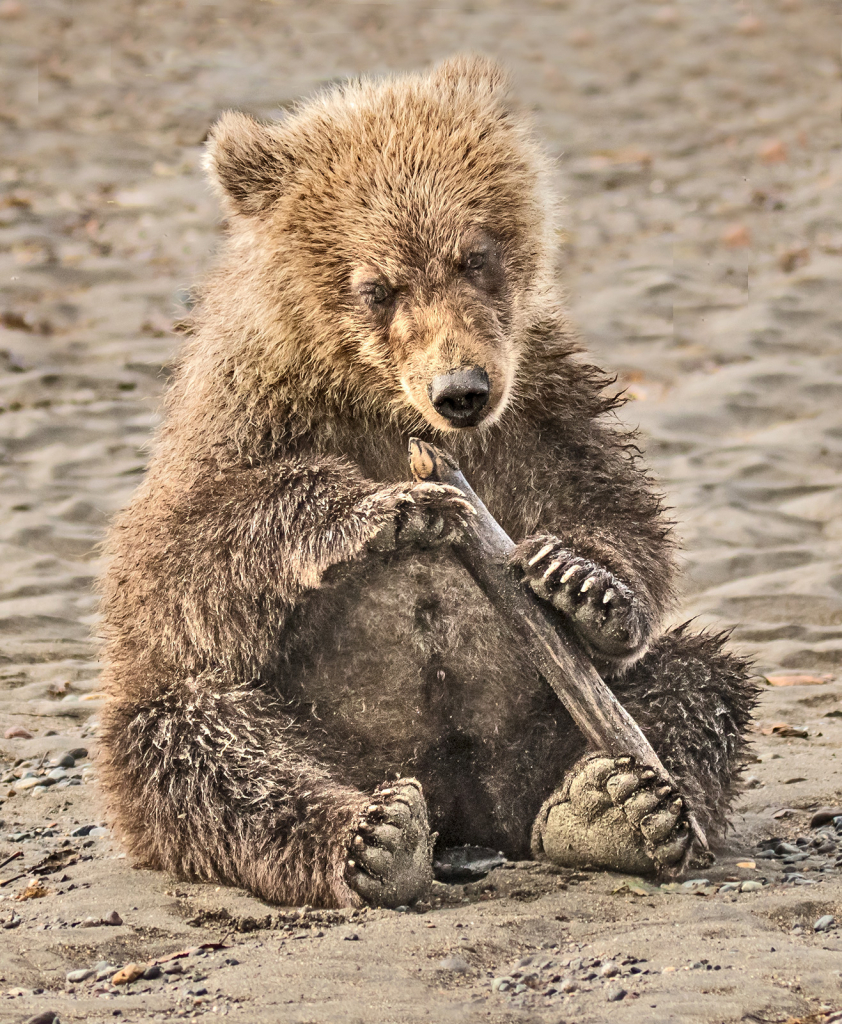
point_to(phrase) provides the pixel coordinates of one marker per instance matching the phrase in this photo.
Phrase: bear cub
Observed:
(306, 689)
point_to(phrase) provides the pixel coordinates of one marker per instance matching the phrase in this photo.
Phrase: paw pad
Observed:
(390, 855)
(612, 814)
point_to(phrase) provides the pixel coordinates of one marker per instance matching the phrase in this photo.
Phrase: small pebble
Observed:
(81, 975)
(614, 993)
(112, 918)
(751, 886)
(66, 761)
(609, 970)
(82, 830)
(98, 831)
(17, 732)
(152, 972)
(824, 923)
(57, 773)
(568, 985)
(175, 968)
(500, 984)
(78, 753)
(455, 964)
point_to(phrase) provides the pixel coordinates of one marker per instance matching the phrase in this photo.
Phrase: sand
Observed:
(699, 152)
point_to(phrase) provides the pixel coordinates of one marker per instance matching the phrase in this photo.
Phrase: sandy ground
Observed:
(699, 150)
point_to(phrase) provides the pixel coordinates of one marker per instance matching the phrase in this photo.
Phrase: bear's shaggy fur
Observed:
(286, 627)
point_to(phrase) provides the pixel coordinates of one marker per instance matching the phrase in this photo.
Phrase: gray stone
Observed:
(824, 923)
(81, 975)
(27, 782)
(614, 993)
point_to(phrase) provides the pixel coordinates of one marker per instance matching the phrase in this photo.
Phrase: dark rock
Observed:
(78, 753)
(823, 815)
(45, 1017)
(66, 761)
(112, 918)
(82, 830)
(785, 849)
(466, 863)
(152, 972)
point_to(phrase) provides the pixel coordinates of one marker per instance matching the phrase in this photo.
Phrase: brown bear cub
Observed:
(306, 688)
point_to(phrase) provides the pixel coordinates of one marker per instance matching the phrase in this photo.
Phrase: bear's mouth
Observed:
(460, 396)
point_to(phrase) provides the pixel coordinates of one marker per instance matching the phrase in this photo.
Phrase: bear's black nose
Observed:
(461, 395)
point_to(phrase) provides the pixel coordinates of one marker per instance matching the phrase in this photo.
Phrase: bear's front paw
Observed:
(602, 609)
(613, 814)
(391, 856)
(422, 515)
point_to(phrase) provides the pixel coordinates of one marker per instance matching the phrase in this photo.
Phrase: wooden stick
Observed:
(600, 717)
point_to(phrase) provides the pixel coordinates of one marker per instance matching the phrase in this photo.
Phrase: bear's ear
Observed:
(246, 161)
(477, 72)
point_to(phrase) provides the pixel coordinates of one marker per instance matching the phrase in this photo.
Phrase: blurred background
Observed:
(697, 145)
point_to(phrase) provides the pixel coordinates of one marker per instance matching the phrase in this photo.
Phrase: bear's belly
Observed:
(404, 667)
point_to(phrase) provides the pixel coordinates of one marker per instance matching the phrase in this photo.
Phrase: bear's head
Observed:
(392, 240)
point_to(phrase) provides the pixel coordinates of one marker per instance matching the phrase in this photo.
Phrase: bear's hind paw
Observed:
(613, 814)
(391, 854)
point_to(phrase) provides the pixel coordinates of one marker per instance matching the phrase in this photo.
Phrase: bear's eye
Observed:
(475, 261)
(376, 293)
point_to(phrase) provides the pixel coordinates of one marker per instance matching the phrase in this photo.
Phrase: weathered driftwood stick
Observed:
(600, 717)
